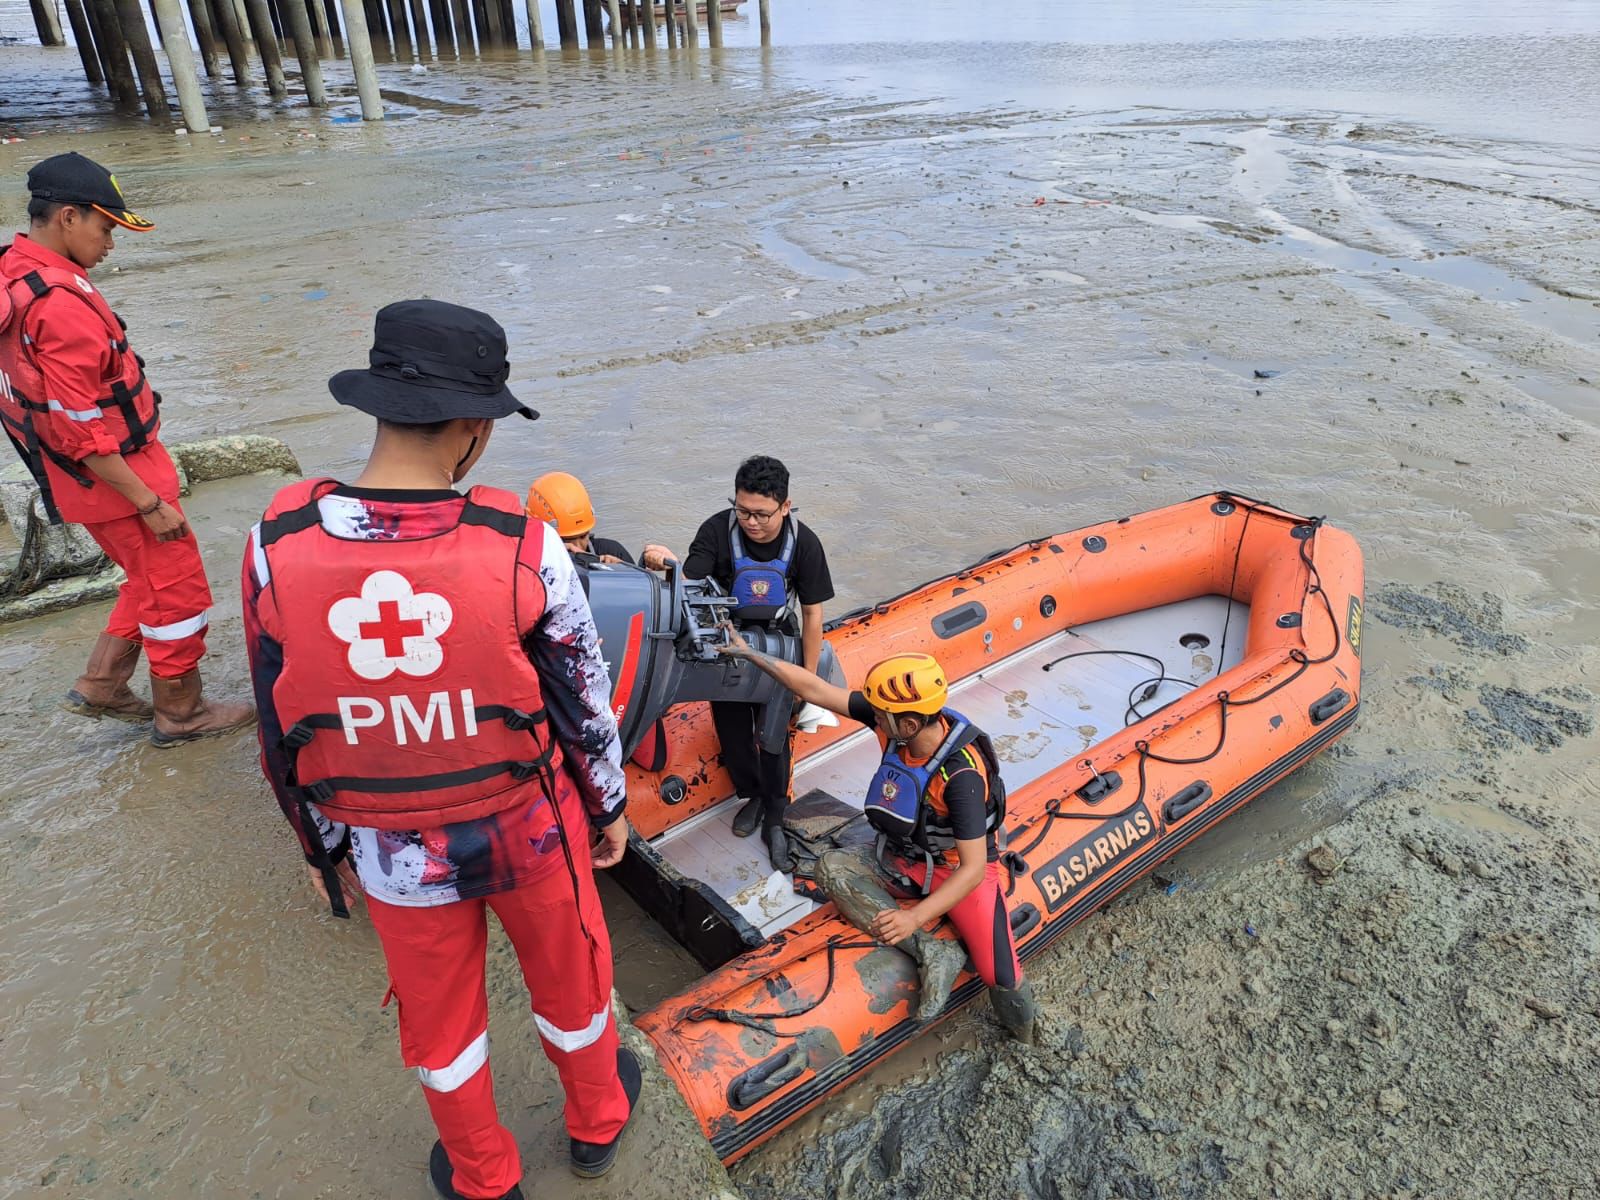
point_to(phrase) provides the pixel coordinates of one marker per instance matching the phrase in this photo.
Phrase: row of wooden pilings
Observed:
(110, 33)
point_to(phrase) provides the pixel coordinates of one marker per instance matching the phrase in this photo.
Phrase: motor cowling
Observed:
(660, 638)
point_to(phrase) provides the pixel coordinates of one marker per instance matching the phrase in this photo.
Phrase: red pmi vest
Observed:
(130, 409)
(406, 698)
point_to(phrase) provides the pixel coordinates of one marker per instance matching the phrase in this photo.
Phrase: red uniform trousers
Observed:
(436, 973)
(163, 604)
(982, 921)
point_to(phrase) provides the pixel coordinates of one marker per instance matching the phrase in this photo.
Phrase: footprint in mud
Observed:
(1473, 623)
(1510, 715)
(1013, 748)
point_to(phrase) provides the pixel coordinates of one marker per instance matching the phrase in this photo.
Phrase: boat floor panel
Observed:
(1041, 707)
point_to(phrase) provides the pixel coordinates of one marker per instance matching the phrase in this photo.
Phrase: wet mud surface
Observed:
(960, 323)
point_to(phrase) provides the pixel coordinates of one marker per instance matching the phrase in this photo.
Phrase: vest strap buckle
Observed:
(297, 737)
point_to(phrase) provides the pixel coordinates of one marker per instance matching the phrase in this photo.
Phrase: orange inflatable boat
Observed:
(1141, 679)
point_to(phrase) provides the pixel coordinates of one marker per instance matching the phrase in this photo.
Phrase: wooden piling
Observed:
(443, 34)
(461, 17)
(691, 24)
(648, 11)
(319, 27)
(305, 49)
(713, 23)
(47, 23)
(87, 50)
(614, 15)
(378, 27)
(137, 36)
(419, 25)
(399, 29)
(672, 26)
(228, 24)
(535, 28)
(266, 46)
(200, 18)
(494, 29)
(567, 22)
(277, 24)
(102, 47)
(180, 57)
(332, 9)
(766, 23)
(508, 21)
(593, 24)
(359, 43)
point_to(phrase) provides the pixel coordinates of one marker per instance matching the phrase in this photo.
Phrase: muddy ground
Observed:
(960, 323)
(1406, 1005)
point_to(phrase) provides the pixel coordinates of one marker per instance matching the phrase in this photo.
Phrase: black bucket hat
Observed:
(432, 361)
(73, 179)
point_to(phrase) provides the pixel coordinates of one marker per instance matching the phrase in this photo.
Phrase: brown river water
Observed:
(973, 276)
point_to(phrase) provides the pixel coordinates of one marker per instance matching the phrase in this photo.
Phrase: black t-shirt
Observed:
(599, 546)
(966, 787)
(711, 556)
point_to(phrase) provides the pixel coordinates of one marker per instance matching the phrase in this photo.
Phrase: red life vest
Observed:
(129, 408)
(406, 698)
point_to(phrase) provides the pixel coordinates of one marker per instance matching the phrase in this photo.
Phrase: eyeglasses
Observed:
(750, 514)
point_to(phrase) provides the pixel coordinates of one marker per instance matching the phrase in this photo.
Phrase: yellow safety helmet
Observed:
(907, 683)
(563, 501)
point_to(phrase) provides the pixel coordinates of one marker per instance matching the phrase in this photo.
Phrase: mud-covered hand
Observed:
(166, 522)
(735, 646)
(344, 873)
(894, 925)
(609, 843)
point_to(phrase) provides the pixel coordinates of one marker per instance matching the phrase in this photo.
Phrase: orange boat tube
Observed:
(1141, 679)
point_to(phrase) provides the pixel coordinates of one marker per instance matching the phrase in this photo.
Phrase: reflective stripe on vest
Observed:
(136, 415)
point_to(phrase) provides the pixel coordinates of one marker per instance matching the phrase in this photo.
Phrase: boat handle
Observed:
(766, 1077)
(1185, 802)
(1328, 705)
(1025, 919)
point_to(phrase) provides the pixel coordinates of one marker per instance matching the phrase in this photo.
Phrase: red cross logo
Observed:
(390, 629)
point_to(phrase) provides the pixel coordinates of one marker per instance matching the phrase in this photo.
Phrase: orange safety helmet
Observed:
(563, 501)
(907, 683)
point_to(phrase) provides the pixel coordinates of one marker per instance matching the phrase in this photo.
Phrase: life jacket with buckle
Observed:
(905, 803)
(761, 589)
(129, 407)
(406, 697)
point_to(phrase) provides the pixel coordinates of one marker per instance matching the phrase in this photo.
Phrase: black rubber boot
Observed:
(778, 852)
(748, 819)
(443, 1176)
(593, 1159)
(1015, 1008)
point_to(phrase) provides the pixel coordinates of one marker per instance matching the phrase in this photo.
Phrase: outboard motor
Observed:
(660, 637)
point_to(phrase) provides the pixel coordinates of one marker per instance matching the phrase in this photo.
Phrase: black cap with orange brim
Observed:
(73, 179)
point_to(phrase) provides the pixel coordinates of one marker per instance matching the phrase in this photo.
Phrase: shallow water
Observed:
(972, 281)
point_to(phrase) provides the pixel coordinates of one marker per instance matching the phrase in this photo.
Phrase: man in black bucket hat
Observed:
(435, 721)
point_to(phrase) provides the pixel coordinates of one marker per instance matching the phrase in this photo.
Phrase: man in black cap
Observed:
(435, 713)
(77, 407)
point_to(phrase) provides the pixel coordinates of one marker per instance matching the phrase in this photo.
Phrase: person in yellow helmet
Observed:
(938, 805)
(561, 500)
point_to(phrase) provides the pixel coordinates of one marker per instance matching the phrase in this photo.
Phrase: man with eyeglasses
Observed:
(773, 566)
